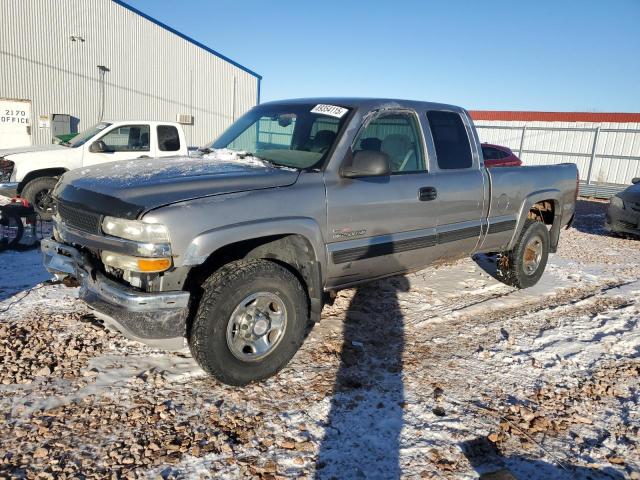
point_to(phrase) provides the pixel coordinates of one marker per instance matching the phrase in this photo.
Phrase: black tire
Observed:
(38, 193)
(223, 292)
(512, 265)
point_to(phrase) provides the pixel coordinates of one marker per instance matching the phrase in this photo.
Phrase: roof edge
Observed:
(529, 116)
(186, 37)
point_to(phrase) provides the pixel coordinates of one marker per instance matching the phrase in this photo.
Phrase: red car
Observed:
(498, 156)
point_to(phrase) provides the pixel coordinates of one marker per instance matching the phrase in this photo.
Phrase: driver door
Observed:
(383, 225)
(124, 142)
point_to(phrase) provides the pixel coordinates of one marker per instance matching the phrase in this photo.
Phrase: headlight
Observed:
(135, 230)
(617, 202)
(135, 264)
(6, 170)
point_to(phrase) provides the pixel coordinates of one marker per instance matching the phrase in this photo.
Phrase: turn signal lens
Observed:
(153, 264)
(135, 264)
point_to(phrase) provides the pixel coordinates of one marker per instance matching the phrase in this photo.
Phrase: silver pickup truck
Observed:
(237, 251)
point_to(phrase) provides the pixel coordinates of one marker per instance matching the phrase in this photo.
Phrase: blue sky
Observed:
(557, 55)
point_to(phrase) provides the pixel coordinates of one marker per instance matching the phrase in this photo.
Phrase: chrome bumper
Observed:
(157, 318)
(9, 189)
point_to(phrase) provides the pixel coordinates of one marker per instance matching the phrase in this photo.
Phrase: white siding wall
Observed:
(605, 169)
(154, 75)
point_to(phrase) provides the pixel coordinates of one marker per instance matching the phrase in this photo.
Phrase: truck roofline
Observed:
(366, 102)
(151, 122)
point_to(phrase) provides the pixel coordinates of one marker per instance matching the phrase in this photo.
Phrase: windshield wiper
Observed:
(242, 155)
(266, 160)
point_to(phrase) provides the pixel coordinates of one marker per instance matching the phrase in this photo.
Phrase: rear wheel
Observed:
(523, 266)
(250, 321)
(38, 192)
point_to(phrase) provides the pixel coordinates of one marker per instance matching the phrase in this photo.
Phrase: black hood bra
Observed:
(129, 188)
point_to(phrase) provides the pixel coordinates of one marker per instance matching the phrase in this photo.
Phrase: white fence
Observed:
(607, 155)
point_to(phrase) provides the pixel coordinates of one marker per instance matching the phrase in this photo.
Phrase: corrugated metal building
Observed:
(50, 53)
(605, 146)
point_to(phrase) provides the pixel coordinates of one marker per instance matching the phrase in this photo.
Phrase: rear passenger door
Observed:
(459, 181)
(382, 225)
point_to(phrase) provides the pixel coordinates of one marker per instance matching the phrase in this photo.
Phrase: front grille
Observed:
(6, 169)
(81, 219)
(635, 206)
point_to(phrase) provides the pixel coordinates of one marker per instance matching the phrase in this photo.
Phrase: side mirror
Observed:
(635, 180)
(98, 147)
(368, 163)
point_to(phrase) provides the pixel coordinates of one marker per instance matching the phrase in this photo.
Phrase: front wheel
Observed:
(38, 193)
(250, 322)
(523, 266)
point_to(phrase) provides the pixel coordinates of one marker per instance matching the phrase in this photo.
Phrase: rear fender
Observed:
(552, 194)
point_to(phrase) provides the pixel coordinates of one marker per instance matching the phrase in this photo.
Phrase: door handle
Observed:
(427, 193)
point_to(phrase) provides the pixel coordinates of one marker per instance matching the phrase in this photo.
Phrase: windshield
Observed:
(298, 136)
(82, 137)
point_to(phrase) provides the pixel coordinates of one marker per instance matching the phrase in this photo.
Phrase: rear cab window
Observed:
(450, 139)
(168, 138)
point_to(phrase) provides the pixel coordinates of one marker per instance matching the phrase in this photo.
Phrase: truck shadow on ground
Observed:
(487, 460)
(362, 438)
(31, 272)
(489, 263)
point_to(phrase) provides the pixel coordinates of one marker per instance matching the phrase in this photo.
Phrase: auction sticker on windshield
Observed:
(331, 110)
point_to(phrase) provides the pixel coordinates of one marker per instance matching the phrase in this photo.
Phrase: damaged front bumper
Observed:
(625, 220)
(154, 318)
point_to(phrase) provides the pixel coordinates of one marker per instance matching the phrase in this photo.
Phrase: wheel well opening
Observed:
(293, 252)
(49, 172)
(543, 211)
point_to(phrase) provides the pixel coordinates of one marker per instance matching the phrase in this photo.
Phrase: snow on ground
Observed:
(445, 373)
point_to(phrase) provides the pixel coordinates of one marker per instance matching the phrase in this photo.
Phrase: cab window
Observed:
(128, 138)
(397, 135)
(450, 139)
(168, 138)
(296, 135)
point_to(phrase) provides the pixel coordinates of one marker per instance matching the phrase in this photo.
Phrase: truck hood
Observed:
(34, 148)
(128, 188)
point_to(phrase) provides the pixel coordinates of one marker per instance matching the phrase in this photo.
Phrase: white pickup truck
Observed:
(32, 172)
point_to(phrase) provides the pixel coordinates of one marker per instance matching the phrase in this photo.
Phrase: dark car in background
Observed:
(623, 215)
(499, 156)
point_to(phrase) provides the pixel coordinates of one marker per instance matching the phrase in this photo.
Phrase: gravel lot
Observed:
(446, 373)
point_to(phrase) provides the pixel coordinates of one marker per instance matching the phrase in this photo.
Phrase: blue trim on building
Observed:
(191, 40)
(259, 84)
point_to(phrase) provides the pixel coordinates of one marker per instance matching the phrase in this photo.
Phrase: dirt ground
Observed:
(445, 373)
